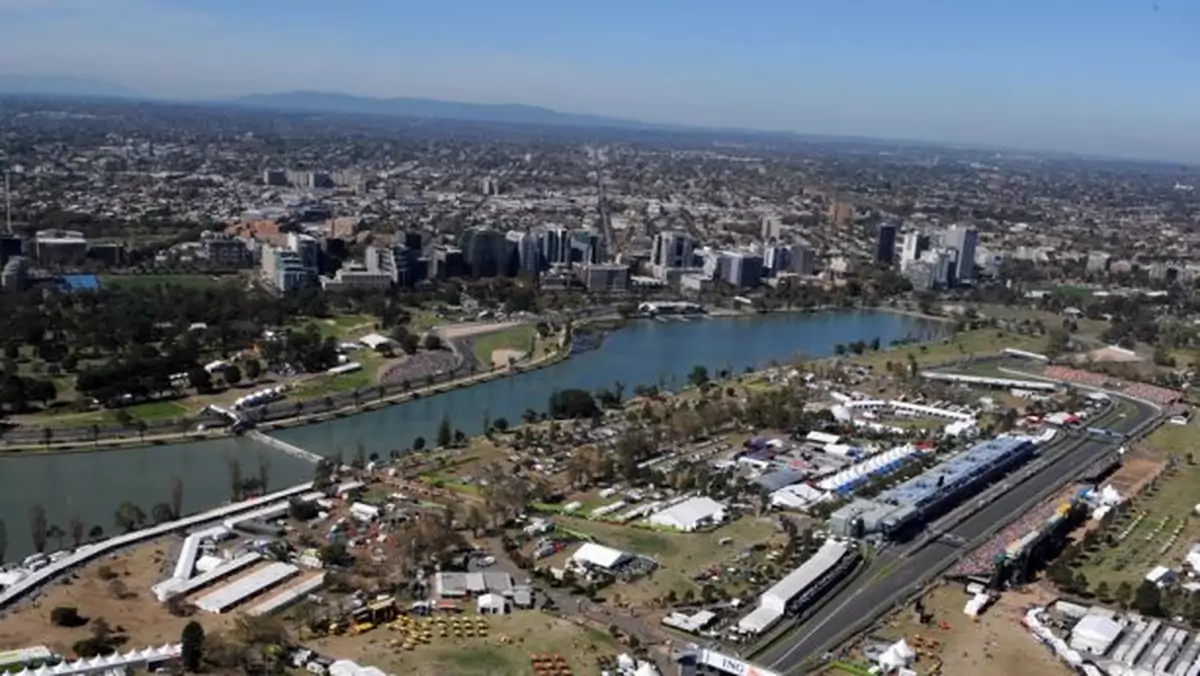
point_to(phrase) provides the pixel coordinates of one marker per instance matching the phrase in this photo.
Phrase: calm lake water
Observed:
(91, 485)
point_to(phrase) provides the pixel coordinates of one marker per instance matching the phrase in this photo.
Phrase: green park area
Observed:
(516, 338)
(135, 282)
(680, 555)
(1155, 528)
(976, 343)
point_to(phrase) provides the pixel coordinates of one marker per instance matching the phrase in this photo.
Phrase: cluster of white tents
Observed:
(856, 475)
(263, 396)
(116, 663)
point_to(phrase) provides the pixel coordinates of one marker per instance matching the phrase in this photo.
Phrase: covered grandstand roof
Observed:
(955, 470)
(856, 475)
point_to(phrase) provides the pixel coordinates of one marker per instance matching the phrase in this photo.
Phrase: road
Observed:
(906, 567)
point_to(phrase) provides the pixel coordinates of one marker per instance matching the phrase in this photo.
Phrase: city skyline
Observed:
(1098, 78)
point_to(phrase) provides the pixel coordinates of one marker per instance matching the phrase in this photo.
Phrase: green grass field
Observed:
(1177, 440)
(518, 338)
(151, 281)
(151, 411)
(977, 343)
(1150, 522)
(325, 384)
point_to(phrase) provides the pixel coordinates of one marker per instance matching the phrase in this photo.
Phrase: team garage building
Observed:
(804, 584)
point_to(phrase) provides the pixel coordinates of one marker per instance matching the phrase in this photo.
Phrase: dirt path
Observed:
(468, 329)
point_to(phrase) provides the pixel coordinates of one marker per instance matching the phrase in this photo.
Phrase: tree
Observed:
(264, 472)
(192, 648)
(176, 497)
(476, 520)
(129, 517)
(232, 375)
(37, 527)
(95, 532)
(1147, 600)
(200, 379)
(76, 528)
(419, 444)
(573, 403)
(699, 376)
(445, 434)
(501, 424)
(433, 342)
(1124, 594)
(161, 513)
(235, 479)
(253, 369)
(1057, 342)
(57, 533)
(66, 616)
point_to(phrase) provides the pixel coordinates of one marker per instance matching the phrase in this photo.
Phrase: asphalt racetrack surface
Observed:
(904, 566)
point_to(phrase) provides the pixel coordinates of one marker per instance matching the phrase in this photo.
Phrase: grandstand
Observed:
(1014, 554)
(935, 490)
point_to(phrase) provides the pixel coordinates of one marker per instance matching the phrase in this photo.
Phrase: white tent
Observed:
(492, 604)
(690, 514)
(599, 556)
(897, 656)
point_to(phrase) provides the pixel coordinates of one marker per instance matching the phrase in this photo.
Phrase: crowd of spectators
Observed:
(416, 368)
(982, 559)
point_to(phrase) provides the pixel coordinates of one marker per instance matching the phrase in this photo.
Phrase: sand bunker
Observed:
(502, 358)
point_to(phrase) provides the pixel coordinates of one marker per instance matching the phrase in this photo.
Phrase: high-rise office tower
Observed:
(885, 244)
(915, 243)
(673, 249)
(963, 240)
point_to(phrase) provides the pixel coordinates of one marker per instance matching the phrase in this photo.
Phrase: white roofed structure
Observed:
(773, 603)
(223, 598)
(599, 556)
(690, 514)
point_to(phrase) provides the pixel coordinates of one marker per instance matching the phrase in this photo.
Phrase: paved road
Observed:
(910, 564)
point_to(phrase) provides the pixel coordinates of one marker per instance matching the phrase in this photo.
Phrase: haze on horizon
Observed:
(1106, 77)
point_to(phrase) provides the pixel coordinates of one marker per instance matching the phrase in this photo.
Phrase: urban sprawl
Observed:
(1011, 487)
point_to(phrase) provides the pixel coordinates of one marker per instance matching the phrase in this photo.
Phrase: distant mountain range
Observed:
(55, 85)
(324, 102)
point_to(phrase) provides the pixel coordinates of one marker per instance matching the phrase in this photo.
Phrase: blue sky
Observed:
(1117, 77)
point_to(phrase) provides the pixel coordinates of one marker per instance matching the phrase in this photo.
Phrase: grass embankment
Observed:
(960, 346)
(516, 338)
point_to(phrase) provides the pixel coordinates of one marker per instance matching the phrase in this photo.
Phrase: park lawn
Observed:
(150, 281)
(975, 343)
(680, 555)
(150, 411)
(1169, 504)
(340, 327)
(422, 319)
(324, 384)
(1087, 328)
(504, 651)
(1177, 440)
(519, 338)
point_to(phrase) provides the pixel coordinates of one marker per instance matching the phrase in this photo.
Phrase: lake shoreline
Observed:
(605, 325)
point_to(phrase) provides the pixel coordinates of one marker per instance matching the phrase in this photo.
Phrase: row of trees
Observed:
(127, 518)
